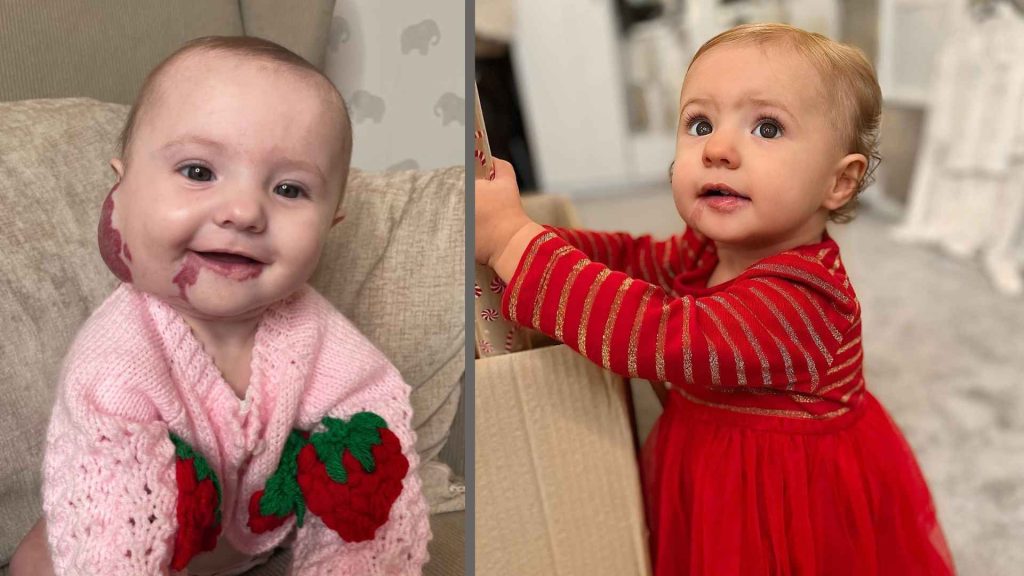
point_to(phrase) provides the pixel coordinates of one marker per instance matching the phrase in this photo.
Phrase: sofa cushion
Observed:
(395, 267)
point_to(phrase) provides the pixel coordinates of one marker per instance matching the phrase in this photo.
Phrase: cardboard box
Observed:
(557, 486)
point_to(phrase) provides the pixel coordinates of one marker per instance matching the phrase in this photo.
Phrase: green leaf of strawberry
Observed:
(271, 507)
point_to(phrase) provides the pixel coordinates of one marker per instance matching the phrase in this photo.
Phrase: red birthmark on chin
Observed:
(187, 275)
(110, 241)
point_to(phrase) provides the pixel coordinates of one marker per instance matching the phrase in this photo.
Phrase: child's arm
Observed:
(640, 257)
(780, 325)
(399, 545)
(109, 490)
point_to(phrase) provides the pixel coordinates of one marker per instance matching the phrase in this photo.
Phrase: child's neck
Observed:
(734, 259)
(229, 343)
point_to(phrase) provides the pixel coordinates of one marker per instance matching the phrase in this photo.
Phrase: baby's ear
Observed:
(338, 216)
(118, 167)
(849, 173)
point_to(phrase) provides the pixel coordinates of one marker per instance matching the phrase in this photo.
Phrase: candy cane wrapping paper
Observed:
(494, 334)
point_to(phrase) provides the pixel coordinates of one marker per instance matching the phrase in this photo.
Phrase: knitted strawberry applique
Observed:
(349, 475)
(198, 508)
(271, 507)
(352, 473)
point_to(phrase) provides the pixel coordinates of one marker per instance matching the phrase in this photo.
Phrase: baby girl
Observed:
(215, 406)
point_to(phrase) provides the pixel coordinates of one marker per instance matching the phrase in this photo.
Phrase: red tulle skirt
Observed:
(738, 494)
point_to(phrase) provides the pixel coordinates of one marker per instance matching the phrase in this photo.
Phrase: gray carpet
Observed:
(944, 353)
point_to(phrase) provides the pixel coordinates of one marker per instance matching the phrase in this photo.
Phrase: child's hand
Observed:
(502, 227)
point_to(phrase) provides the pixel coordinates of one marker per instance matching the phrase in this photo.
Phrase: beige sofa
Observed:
(395, 266)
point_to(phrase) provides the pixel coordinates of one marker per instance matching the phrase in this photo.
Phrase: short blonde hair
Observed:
(848, 79)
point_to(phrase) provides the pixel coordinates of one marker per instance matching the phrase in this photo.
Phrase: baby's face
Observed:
(754, 122)
(230, 187)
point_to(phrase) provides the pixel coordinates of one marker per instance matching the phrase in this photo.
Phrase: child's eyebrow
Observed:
(186, 140)
(757, 101)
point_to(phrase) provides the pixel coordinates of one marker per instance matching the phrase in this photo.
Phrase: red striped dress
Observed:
(770, 456)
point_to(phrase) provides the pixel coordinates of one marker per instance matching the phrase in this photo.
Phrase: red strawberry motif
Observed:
(198, 508)
(350, 475)
(356, 508)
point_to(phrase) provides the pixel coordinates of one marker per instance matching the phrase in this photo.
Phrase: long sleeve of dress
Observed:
(640, 257)
(399, 546)
(780, 324)
(109, 490)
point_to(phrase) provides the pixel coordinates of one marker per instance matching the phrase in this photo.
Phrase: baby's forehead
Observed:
(778, 69)
(191, 79)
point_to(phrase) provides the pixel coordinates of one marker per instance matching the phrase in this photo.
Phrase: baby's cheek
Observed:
(113, 250)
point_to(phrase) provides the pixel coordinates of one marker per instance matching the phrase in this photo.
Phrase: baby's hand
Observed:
(499, 219)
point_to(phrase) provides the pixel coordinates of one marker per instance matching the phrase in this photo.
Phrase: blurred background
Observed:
(582, 97)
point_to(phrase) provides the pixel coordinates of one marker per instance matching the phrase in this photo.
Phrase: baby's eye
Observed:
(699, 127)
(768, 129)
(289, 190)
(196, 172)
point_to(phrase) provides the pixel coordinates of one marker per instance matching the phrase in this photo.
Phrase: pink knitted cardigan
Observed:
(136, 373)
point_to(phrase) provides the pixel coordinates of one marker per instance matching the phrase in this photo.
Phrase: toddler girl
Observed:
(771, 457)
(215, 406)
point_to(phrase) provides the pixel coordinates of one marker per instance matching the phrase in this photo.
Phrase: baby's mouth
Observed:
(228, 258)
(720, 191)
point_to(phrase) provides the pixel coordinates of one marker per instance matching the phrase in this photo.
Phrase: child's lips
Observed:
(234, 266)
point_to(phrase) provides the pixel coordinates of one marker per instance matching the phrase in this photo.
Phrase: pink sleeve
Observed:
(399, 546)
(109, 493)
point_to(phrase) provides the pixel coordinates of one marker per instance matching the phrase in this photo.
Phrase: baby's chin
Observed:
(218, 299)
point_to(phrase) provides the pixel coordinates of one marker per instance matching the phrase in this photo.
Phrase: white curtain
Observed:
(967, 193)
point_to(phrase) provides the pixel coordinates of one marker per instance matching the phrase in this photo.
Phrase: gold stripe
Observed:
(544, 280)
(581, 336)
(840, 383)
(687, 348)
(609, 325)
(764, 411)
(563, 300)
(589, 237)
(513, 301)
(846, 397)
(644, 273)
(741, 374)
(824, 317)
(608, 246)
(804, 275)
(659, 350)
(853, 359)
(667, 259)
(803, 316)
(848, 345)
(786, 359)
(659, 274)
(766, 371)
(634, 335)
(811, 368)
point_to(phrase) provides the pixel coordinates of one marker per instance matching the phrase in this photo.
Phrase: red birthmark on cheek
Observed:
(110, 241)
(187, 275)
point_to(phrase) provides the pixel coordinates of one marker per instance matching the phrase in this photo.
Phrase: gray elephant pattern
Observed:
(420, 37)
(340, 32)
(399, 66)
(407, 164)
(451, 108)
(366, 106)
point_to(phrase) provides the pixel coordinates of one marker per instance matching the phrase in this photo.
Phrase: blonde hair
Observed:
(848, 79)
(243, 46)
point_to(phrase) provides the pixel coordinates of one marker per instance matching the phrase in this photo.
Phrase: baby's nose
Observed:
(243, 211)
(720, 150)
